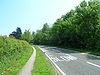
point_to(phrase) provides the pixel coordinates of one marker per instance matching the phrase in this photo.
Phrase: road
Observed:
(73, 62)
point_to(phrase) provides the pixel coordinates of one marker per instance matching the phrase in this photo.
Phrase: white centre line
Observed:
(93, 64)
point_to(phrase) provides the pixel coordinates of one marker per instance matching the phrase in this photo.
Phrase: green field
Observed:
(42, 65)
(13, 55)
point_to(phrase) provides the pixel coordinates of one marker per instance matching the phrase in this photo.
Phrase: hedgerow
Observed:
(13, 55)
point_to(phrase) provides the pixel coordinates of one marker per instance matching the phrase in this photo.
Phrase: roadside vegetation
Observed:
(13, 55)
(42, 65)
(78, 29)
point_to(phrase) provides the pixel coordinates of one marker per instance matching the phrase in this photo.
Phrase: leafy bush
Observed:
(13, 55)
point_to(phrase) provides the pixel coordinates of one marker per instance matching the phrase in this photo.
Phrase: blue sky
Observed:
(31, 14)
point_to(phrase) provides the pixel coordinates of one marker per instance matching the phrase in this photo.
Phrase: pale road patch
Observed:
(93, 64)
(83, 53)
(27, 69)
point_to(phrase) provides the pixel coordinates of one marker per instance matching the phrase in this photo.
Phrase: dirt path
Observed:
(27, 69)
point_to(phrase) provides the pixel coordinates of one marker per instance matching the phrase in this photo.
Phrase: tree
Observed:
(17, 33)
(42, 36)
(79, 28)
(33, 36)
(27, 36)
(13, 34)
(45, 28)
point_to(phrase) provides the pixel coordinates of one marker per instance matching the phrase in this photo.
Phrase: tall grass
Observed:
(13, 55)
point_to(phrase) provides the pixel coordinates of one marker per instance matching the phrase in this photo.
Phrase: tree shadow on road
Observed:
(92, 57)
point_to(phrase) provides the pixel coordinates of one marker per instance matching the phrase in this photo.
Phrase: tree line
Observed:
(27, 36)
(78, 28)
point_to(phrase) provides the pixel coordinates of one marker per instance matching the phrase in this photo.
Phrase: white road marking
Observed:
(59, 69)
(55, 59)
(70, 57)
(66, 54)
(62, 57)
(56, 65)
(65, 57)
(93, 64)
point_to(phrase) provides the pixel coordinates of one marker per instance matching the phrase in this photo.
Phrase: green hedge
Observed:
(13, 55)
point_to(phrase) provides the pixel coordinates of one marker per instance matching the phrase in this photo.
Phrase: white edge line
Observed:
(55, 64)
(93, 64)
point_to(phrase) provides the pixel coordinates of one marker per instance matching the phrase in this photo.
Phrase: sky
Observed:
(32, 14)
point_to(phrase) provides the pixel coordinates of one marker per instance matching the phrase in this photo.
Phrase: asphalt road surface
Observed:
(73, 62)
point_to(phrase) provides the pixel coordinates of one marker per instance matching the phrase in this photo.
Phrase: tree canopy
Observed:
(79, 28)
(16, 34)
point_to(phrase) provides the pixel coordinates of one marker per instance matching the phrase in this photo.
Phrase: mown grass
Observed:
(42, 65)
(13, 55)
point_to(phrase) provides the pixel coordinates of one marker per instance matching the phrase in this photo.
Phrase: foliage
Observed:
(13, 55)
(17, 33)
(27, 36)
(45, 28)
(42, 36)
(79, 28)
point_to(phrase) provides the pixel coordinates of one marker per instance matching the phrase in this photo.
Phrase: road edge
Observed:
(55, 65)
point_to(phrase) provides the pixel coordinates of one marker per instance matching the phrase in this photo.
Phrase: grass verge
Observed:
(42, 65)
